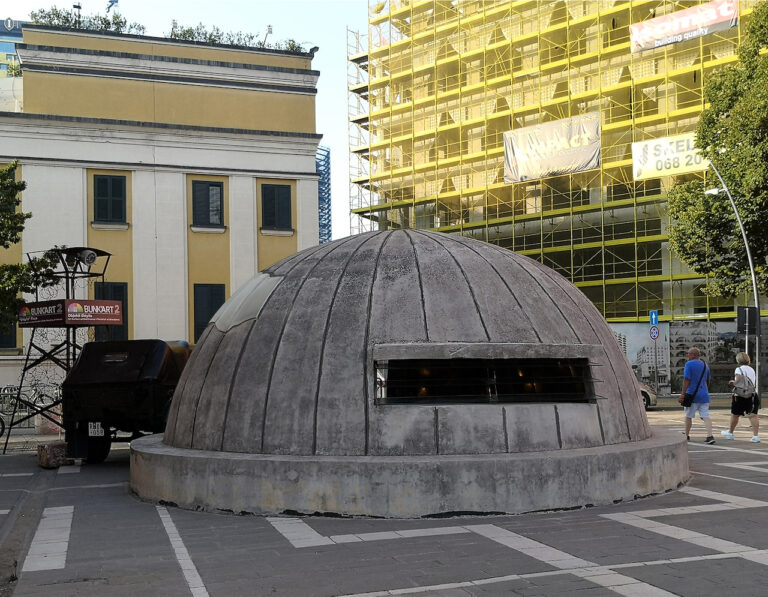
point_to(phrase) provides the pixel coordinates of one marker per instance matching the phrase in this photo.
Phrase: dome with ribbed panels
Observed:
(288, 364)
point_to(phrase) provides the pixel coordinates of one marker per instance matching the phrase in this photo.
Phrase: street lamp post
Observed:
(751, 271)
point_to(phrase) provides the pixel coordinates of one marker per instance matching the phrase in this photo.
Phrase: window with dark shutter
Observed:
(112, 291)
(8, 336)
(208, 298)
(109, 199)
(207, 203)
(276, 207)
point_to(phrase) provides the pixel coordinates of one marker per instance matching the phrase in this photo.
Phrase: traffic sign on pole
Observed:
(654, 317)
(654, 333)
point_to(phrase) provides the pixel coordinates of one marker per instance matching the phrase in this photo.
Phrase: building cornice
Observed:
(141, 166)
(157, 78)
(102, 123)
(90, 143)
(165, 40)
(180, 71)
(163, 59)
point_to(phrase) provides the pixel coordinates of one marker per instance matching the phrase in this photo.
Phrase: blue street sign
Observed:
(654, 317)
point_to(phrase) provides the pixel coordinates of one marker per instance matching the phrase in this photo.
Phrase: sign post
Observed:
(654, 333)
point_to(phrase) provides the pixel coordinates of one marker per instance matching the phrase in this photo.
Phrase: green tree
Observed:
(290, 45)
(14, 70)
(59, 17)
(733, 134)
(213, 36)
(236, 38)
(16, 278)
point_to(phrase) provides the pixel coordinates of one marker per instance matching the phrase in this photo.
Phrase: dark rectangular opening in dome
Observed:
(480, 381)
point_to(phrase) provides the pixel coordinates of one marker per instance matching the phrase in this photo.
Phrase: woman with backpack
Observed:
(744, 401)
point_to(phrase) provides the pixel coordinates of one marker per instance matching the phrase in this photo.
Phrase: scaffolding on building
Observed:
(440, 82)
(323, 168)
(358, 108)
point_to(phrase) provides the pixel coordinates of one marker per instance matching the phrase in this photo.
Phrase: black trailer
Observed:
(119, 387)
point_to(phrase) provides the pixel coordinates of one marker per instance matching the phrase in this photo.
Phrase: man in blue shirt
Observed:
(696, 382)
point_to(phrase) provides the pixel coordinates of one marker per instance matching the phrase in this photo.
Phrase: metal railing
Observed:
(37, 396)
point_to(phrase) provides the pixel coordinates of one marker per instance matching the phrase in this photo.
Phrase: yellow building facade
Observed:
(438, 85)
(192, 164)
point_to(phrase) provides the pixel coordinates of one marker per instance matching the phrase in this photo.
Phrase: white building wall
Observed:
(307, 221)
(170, 260)
(142, 221)
(56, 196)
(243, 252)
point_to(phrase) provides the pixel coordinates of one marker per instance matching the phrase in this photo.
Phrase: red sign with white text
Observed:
(683, 25)
(70, 312)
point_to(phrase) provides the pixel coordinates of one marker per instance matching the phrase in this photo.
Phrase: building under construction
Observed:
(439, 88)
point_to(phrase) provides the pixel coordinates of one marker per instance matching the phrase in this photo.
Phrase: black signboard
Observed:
(746, 320)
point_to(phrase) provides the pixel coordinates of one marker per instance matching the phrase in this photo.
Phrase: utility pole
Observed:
(751, 272)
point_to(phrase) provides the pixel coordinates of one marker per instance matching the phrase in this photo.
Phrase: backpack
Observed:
(745, 388)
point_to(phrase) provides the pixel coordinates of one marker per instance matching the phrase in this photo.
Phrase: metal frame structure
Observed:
(73, 267)
(323, 167)
(433, 86)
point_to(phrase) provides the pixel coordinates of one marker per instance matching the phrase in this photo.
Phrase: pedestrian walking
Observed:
(745, 401)
(696, 385)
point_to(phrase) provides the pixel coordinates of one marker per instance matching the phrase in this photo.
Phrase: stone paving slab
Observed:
(706, 539)
(733, 576)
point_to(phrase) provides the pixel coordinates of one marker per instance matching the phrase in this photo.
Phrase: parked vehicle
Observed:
(119, 387)
(648, 395)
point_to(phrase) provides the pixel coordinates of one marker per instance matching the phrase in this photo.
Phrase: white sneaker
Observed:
(727, 434)
(755, 439)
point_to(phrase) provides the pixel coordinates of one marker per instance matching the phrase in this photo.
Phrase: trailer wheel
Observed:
(98, 448)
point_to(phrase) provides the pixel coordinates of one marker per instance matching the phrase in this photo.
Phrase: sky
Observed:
(321, 23)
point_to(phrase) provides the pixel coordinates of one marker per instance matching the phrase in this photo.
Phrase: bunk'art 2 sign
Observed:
(69, 312)
(683, 25)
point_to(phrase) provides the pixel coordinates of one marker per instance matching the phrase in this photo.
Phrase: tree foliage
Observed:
(59, 17)
(236, 38)
(213, 36)
(14, 70)
(733, 134)
(16, 278)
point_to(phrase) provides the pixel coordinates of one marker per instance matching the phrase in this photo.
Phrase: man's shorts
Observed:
(745, 406)
(701, 407)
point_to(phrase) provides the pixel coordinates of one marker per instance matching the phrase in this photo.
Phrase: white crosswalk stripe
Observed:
(188, 568)
(51, 541)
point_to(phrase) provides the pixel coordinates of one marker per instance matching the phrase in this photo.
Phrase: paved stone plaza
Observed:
(79, 531)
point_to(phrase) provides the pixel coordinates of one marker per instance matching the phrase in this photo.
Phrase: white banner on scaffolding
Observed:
(691, 23)
(552, 148)
(666, 156)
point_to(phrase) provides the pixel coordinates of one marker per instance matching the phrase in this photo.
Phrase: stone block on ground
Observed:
(52, 454)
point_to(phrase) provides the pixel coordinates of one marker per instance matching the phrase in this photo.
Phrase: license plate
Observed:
(95, 430)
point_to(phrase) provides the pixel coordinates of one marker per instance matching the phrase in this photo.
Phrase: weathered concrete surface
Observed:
(277, 409)
(411, 486)
(287, 365)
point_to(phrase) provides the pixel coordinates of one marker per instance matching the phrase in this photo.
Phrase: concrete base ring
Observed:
(408, 486)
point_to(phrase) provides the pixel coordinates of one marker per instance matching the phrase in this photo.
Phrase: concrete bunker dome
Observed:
(404, 373)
